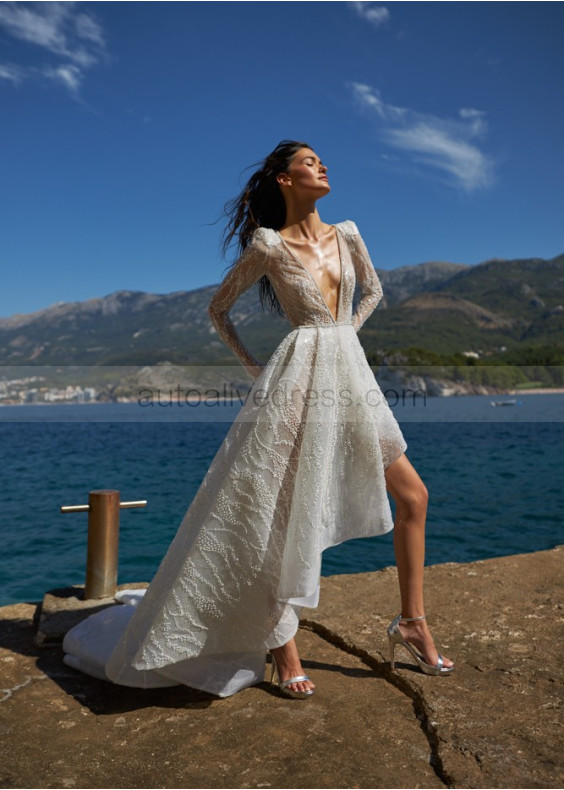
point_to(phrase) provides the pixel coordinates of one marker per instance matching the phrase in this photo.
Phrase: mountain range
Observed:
(442, 307)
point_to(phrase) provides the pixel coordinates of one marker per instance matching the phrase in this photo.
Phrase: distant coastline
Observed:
(195, 400)
(540, 391)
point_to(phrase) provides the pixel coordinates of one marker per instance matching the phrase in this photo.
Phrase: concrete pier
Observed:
(494, 723)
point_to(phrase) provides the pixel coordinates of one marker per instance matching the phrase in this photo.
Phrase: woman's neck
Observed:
(303, 223)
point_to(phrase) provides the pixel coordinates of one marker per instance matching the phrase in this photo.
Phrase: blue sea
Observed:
(494, 476)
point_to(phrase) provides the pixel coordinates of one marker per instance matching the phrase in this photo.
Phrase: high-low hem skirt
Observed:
(301, 469)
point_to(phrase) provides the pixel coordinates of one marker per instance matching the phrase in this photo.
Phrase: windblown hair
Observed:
(261, 204)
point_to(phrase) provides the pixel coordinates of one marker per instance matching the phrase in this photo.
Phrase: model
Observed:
(306, 464)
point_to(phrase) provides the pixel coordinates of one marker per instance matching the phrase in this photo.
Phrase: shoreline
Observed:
(540, 391)
(196, 401)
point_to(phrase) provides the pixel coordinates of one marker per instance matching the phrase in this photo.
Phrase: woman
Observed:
(305, 465)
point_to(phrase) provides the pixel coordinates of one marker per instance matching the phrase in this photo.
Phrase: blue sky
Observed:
(126, 126)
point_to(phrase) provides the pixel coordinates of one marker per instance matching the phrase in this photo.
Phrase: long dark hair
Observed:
(261, 204)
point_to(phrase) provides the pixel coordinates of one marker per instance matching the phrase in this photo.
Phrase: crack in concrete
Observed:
(28, 679)
(381, 668)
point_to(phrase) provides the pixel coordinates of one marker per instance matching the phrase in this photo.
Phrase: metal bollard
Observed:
(103, 537)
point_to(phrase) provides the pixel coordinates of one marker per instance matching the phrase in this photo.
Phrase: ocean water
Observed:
(494, 477)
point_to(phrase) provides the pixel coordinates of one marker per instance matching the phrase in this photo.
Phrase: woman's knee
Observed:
(414, 499)
(406, 487)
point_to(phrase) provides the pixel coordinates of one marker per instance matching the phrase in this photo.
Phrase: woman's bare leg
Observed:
(289, 665)
(411, 498)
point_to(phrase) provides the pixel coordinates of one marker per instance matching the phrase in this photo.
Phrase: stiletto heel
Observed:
(395, 638)
(283, 684)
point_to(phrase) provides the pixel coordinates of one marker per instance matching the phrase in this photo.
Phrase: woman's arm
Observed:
(366, 277)
(248, 269)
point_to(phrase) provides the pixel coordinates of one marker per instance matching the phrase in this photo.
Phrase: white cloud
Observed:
(69, 75)
(11, 73)
(377, 15)
(73, 38)
(88, 28)
(445, 145)
(41, 26)
(476, 118)
(369, 97)
(467, 112)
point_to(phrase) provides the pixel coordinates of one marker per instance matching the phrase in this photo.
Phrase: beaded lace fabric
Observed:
(301, 469)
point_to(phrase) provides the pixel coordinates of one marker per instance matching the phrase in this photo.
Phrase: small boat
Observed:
(504, 402)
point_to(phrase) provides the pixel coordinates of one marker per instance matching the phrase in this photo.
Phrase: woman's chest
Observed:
(305, 285)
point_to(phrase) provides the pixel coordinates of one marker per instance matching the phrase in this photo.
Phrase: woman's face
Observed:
(306, 173)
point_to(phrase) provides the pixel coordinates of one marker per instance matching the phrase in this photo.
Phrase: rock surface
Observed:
(64, 608)
(493, 723)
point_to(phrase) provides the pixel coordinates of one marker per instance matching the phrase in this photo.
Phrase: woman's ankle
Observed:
(412, 618)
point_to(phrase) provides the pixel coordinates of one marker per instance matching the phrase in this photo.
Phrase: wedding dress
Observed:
(301, 469)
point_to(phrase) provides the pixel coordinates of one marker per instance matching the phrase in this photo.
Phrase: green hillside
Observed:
(493, 308)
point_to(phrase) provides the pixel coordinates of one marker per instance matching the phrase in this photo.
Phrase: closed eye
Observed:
(312, 161)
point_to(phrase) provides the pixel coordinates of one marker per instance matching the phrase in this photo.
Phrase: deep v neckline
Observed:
(293, 254)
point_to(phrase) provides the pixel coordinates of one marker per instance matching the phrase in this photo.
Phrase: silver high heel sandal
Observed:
(283, 684)
(395, 638)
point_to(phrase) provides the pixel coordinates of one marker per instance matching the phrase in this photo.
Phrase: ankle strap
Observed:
(412, 619)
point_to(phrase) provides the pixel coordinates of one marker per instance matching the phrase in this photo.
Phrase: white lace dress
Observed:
(301, 469)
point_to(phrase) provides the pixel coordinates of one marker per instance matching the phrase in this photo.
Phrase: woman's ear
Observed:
(284, 179)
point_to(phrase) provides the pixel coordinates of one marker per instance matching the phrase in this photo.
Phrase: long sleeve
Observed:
(248, 269)
(366, 277)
